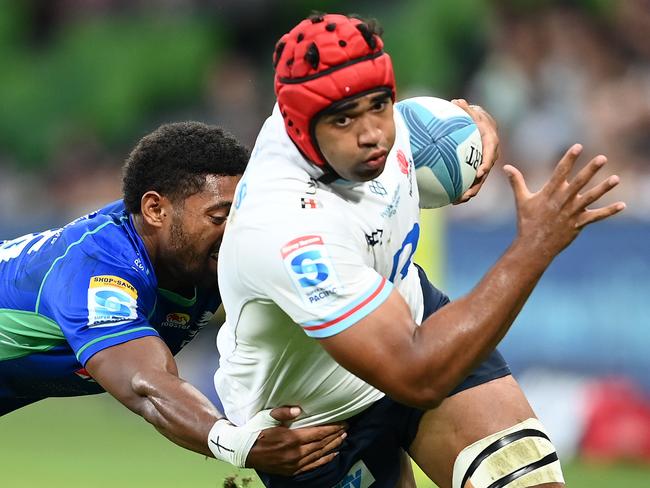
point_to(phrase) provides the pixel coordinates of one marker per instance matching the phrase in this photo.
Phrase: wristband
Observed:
(232, 444)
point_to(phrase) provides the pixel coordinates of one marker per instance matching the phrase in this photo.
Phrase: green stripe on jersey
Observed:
(23, 333)
(178, 299)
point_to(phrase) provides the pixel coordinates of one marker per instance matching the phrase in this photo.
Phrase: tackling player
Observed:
(103, 303)
(325, 308)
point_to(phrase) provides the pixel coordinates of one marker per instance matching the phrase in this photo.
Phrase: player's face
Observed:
(356, 139)
(196, 231)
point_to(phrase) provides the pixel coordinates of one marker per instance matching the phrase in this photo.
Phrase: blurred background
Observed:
(81, 81)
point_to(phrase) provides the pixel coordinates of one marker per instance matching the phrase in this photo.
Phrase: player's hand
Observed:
(551, 218)
(487, 127)
(285, 451)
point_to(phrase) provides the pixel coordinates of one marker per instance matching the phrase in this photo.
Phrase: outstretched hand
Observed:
(487, 127)
(285, 451)
(553, 217)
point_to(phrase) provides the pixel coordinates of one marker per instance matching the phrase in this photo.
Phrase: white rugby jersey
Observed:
(302, 260)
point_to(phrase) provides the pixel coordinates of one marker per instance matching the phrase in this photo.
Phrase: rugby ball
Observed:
(446, 148)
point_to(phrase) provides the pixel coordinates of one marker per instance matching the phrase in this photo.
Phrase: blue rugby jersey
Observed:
(67, 293)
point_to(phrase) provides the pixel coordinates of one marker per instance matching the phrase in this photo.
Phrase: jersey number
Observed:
(402, 258)
(12, 249)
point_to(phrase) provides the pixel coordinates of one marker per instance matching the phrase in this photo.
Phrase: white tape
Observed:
(232, 444)
(517, 457)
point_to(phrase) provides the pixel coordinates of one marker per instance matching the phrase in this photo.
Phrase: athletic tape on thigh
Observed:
(517, 457)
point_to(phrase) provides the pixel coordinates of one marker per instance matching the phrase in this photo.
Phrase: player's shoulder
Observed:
(106, 239)
(100, 227)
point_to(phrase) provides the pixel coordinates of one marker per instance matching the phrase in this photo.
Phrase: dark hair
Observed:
(175, 159)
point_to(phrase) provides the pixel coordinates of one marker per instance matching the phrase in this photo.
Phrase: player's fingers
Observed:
(321, 449)
(487, 127)
(315, 450)
(308, 435)
(517, 182)
(472, 191)
(490, 156)
(308, 447)
(584, 176)
(284, 414)
(591, 216)
(589, 197)
(563, 168)
(319, 462)
(462, 103)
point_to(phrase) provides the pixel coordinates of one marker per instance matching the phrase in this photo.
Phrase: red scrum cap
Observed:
(321, 61)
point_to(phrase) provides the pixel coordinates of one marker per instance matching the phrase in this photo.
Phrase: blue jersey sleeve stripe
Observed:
(352, 316)
(111, 336)
(76, 243)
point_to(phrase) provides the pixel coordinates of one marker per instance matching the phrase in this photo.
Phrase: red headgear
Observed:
(321, 61)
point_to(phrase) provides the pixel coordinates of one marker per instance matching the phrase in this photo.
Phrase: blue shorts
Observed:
(371, 453)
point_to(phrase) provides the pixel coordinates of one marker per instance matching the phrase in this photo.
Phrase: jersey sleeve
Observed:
(97, 303)
(321, 279)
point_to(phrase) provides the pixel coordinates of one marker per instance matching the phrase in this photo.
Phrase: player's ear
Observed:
(154, 208)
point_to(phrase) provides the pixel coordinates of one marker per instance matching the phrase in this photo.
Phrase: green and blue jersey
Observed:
(68, 293)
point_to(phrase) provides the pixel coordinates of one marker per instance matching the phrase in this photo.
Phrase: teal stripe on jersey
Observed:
(76, 243)
(22, 333)
(110, 336)
(351, 314)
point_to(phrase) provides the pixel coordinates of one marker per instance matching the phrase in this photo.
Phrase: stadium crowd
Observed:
(552, 73)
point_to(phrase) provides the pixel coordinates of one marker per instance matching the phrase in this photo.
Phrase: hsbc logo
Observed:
(310, 203)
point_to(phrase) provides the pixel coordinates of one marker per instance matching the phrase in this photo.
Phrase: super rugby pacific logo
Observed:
(111, 301)
(310, 268)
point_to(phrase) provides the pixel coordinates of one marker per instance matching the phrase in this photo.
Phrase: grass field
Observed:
(93, 442)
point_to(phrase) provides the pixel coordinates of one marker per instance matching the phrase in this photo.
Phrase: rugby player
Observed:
(104, 303)
(325, 308)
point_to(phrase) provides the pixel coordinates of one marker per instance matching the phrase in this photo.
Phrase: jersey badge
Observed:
(310, 268)
(310, 203)
(377, 188)
(403, 162)
(84, 375)
(177, 320)
(111, 301)
(391, 208)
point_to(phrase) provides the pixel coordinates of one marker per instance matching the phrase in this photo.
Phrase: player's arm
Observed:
(142, 374)
(421, 365)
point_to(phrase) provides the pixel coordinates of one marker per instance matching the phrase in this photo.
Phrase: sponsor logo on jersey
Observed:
(310, 268)
(359, 476)
(406, 167)
(377, 188)
(84, 375)
(111, 301)
(375, 237)
(311, 187)
(202, 322)
(176, 320)
(403, 162)
(310, 203)
(391, 208)
(241, 194)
